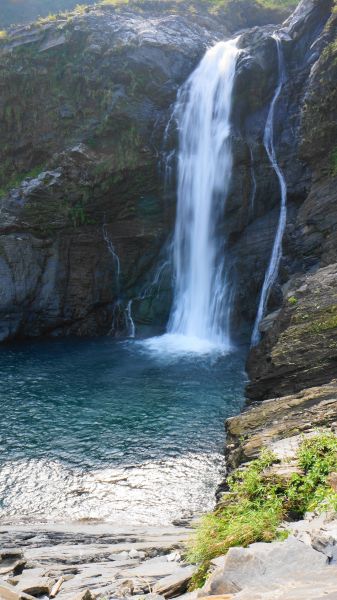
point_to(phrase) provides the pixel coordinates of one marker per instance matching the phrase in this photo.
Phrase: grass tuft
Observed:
(257, 503)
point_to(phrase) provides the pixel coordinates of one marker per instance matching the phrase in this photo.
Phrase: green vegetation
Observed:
(17, 179)
(79, 9)
(292, 300)
(78, 215)
(45, 10)
(259, 500)
(22, 11)
(328, 322)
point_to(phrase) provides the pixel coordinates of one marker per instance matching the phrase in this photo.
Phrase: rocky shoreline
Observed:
(89, 560)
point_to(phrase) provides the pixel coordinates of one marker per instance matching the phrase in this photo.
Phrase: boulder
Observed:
(85, 595)
(263, 571)
(279, 422)
(174, 585)
(11, 561)
(35, 586)
(8, 592)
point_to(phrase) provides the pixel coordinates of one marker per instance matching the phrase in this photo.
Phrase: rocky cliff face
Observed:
(253, 205)
(85, 220)
(299, 347)
(84, 102)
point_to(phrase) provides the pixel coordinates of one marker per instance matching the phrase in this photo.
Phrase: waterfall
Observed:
(201, 307)
(130, 325)
(113, 253)
(254, 184)
(276, 254)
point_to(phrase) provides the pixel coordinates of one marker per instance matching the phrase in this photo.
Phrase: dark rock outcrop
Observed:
(299, 346)
(85, 220)
(254, 199)
(84, 102)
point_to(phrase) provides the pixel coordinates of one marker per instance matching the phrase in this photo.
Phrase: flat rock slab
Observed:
(271, 563)
(66, 560)
(174, 585)
(8, 592)
(35, 586)
(155, 568)
(289, 570)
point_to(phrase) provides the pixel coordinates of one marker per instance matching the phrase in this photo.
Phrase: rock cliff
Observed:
(298, 347)
(84, 103)
(85, 220)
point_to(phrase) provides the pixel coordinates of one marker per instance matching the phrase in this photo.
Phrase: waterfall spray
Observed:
(276, 254)
(201, 296)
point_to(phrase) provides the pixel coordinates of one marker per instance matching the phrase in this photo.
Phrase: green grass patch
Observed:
(258, 502)
(49, 10)
(17, 179)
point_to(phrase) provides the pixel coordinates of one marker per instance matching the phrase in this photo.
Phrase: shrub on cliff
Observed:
(259, 500)
(22, 11)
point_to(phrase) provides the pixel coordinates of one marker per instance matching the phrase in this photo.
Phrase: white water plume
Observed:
(276, 254)
(201, 307)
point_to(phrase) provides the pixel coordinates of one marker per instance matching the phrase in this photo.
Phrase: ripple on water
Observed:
(99, 429)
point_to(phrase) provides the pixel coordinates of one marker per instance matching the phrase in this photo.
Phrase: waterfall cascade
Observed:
(201, 308)
(276, 254)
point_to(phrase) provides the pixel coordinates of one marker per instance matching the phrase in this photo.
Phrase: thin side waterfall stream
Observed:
(276, 254)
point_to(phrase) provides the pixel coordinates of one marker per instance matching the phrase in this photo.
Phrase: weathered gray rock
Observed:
(35, 586)
(11, 561)
(318, 531)
(287, 569)
(277, 423)
(8, 592)
(74, 558)
(85, 595)
(174, 585)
